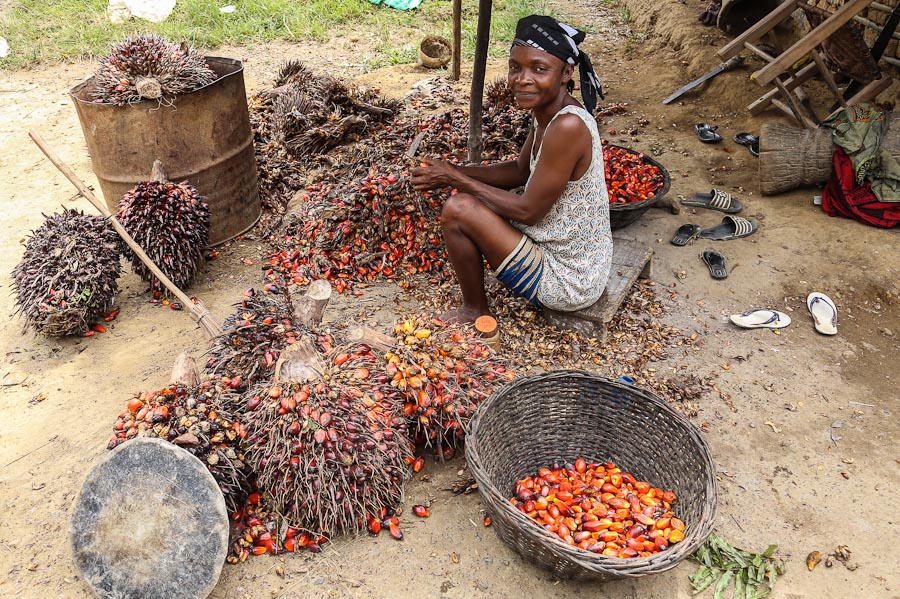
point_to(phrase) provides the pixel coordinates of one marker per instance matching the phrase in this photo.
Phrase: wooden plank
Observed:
(631, 261)
(802, 76)
(868, 93)
(736, 46)
(768, 73)
(804, 120)
(759, 52)
(788, 98)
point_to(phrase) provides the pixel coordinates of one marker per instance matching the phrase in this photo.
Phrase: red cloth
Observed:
(843, 197)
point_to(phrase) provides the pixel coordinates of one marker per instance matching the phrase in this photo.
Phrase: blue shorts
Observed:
(521, 271)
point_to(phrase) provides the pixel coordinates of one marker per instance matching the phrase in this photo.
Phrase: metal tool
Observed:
(725, 66)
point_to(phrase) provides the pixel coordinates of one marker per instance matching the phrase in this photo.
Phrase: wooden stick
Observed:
(770, 72)
(873, 25)
(804, 74)
(476, 98)
(868, 93)
(185, 371)
(827, 76)
(374, 339)
(197, 311)
(456, 59)
(310, 308)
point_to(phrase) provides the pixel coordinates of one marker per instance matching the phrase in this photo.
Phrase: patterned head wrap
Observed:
(561, 40)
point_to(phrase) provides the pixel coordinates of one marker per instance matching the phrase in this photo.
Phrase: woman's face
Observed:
(536, 77)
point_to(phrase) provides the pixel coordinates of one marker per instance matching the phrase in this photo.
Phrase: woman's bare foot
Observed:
(462, 315)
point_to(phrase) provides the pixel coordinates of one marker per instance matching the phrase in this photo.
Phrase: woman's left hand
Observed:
(433, 174)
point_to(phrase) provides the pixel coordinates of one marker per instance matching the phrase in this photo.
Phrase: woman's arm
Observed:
(505, 175)
(564, 144)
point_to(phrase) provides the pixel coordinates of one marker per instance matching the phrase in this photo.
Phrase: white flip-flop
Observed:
(823, 312)
(761, 318)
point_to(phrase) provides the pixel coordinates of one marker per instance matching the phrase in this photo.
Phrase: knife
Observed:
(725, 66)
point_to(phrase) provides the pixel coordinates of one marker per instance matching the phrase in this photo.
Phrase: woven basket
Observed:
(560, 416)
(622, 215)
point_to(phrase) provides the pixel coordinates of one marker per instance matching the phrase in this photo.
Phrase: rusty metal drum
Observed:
(203, 137)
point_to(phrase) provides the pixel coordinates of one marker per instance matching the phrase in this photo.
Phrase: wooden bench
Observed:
(631, 261)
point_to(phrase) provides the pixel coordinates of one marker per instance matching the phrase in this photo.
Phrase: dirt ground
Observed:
(796, 409)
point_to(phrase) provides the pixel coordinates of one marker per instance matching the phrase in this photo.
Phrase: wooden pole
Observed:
(476, 100)
(457, 40)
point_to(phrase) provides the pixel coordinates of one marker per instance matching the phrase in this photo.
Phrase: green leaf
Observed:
(751, 589)
(701, 583)
(770, 551)
(723, 584)
(739, 584)
(705, 583)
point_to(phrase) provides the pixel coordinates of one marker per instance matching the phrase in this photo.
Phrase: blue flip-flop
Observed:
(761, 318)
(823, 311)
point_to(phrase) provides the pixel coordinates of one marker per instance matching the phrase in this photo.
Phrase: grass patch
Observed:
(42, 31)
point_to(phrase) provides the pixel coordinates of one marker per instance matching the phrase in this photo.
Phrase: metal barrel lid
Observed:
(150, 522)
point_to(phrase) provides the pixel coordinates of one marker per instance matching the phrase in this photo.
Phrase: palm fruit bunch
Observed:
(332, 453)
(441, 373)
(149, 67)
(254, 335)
(313, 113)
(170, 221)
(201, 420)
(67, 278)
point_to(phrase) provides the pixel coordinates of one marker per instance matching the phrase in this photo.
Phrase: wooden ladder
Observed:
(784, 73)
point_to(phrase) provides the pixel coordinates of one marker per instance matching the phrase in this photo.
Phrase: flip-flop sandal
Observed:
(761, 318)
(685, 234)
(745, 139)
(823, 312)
(714, 200)
(749, 140)
(716, 263)
(707, 133)
(732, 227)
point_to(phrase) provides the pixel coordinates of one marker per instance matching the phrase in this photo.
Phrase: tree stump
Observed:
(309, 309)
(378, 341)
(150, 522)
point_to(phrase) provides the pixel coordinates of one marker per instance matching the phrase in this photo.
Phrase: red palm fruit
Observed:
(396, 532)
(421, 511)
(374, 526)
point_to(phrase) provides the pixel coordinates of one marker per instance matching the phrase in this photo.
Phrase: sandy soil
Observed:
(795, 410)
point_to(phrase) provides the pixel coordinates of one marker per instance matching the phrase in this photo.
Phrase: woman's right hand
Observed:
(433, 174)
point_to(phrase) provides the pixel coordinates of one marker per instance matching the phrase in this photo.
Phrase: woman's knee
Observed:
(458, 208)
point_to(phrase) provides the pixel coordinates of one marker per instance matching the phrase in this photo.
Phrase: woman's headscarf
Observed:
(561, 40)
